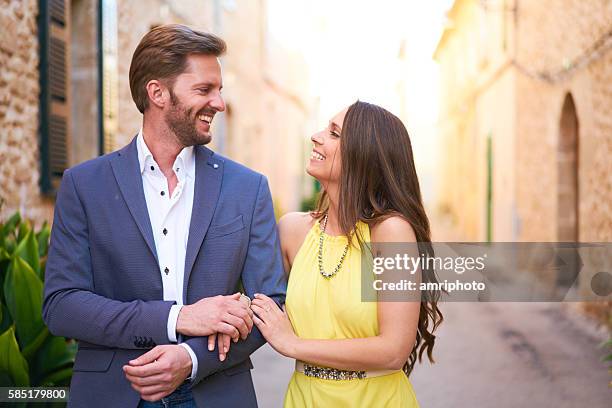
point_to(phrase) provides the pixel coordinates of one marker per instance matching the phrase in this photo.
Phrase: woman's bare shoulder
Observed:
(293, 228)
(395, 228)
(295, 222)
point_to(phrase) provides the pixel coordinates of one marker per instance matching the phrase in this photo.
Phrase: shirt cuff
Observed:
(194, 360)
(172, 319)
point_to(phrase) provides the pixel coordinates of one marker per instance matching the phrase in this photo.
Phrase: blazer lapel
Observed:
(127, 173)
(208, 176)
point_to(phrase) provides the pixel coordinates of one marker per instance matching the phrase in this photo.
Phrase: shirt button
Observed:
(166, 271)
(163, 193)
(165, 231)
(152, 168)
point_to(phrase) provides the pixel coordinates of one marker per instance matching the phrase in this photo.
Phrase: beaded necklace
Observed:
(328, 275)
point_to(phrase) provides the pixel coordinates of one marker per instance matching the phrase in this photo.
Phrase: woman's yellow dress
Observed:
(321, 308)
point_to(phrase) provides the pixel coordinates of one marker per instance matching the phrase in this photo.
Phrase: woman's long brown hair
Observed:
(378, 179)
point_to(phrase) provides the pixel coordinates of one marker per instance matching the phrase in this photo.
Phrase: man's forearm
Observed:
(208, 361)
(86, 316)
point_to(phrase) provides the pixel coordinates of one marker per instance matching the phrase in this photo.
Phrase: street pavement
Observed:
(498, 355)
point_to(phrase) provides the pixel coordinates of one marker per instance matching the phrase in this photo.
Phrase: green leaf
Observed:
(42, 237)
(29, 351)
(43, 267)
(24, 229)
(4, 264)
(6, 321)
(4, 255)
(10, 244)
(28, 250)
(54, 354)
(10, 225)
(607, 343)
(23, 293)
(58, 378)
(11, 360)
(5, 379)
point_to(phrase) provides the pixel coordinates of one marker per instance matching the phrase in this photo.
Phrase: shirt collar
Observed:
(185, 161)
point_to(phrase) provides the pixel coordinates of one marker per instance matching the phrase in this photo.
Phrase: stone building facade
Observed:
(19, 98)
(264, 127)
(526, 125)
(526, 120)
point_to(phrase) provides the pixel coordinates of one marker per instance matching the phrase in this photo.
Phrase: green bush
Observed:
(608, 358)
(29, 355)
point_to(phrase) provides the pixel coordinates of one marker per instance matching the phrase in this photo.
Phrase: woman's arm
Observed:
(292, 229)
(390, 349)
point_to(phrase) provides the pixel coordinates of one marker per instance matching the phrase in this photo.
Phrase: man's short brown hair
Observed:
(162, 54)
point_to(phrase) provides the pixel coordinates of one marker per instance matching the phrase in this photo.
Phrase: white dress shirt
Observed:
(170, 218)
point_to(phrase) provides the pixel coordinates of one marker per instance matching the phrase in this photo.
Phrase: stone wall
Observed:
(514, 88)
(19, 90)
(561, 50)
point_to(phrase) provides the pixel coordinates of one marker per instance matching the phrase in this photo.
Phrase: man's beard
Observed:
(180, 123)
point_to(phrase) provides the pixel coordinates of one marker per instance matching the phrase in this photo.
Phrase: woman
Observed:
(350, 352)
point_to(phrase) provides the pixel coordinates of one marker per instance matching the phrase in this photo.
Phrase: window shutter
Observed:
(54, 95)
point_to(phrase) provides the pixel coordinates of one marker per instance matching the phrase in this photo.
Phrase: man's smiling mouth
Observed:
(204, 117)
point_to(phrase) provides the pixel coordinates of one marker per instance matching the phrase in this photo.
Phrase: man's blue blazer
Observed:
(103, 283)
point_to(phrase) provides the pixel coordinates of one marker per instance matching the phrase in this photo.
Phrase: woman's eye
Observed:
(335, 134)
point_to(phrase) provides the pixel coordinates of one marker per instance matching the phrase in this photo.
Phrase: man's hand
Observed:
(218, 314)
(223, 339)
(159, 372)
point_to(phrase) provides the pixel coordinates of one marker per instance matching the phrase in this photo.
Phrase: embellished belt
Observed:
(326, 373)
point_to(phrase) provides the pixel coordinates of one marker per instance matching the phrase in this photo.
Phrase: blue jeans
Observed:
(180, 398)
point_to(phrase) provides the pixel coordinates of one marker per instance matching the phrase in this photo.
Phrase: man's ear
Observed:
(156, 91)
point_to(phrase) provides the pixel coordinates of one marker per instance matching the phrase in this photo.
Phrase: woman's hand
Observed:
(224, 341)
(274, 324)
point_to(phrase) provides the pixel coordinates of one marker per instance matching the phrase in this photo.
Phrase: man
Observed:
(151, 243)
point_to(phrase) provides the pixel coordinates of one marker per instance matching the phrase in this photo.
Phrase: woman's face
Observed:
(324, 163)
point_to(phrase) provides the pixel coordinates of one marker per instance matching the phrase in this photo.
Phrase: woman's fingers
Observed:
(222, 347)
(259, 323)
(227, 341)
(212, 339)
(266, 304)
(262, 296)
(260, 313)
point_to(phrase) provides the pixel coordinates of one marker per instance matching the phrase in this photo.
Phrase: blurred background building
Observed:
(65, 96)
(526, 120)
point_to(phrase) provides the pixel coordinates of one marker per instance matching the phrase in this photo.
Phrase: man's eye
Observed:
(203, 90)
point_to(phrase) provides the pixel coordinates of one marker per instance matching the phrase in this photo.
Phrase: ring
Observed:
(245, 298)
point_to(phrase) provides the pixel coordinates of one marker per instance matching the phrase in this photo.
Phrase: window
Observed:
(54, 132)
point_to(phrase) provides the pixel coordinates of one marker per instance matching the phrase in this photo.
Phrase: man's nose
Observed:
(218, 103)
